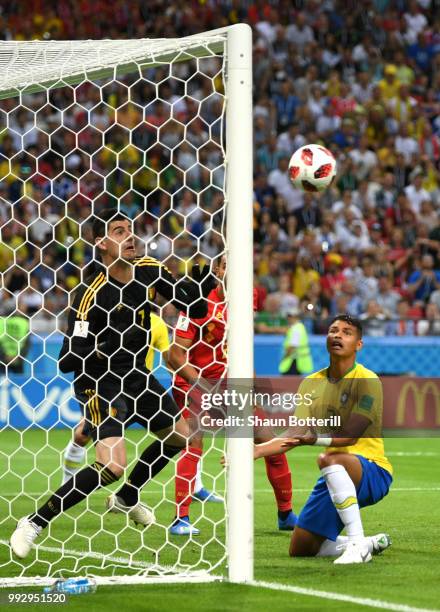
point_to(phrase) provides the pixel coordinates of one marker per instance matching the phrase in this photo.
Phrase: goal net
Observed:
(161, 130)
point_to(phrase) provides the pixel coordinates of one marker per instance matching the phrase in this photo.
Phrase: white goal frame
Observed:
(27, 67)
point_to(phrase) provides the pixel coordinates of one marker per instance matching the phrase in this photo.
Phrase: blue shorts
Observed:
(320, 516)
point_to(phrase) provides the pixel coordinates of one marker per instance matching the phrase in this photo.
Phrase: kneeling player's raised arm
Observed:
(294, 434)
(348, 435)
(187, 294)
(276, 446)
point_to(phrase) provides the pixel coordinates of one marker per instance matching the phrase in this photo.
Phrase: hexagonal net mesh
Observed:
(137, 126)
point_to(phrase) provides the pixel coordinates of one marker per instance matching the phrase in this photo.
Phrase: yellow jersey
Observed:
(389, 90)
(159, 339)
(358, 392)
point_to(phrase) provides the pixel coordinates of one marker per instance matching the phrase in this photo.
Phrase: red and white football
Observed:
(312, 168)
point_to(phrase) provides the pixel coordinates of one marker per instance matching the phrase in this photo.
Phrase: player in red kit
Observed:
(199, 351)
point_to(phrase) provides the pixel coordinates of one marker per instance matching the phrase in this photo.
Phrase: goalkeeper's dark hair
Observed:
(101, 221)
(346, 318)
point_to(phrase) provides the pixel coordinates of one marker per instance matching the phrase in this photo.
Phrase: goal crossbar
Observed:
(35, 66)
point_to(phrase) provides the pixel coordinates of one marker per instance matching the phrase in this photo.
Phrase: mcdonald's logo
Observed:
(425, 396)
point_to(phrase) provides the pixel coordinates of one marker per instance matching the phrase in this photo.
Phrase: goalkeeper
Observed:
(75, 451)
(105, 347)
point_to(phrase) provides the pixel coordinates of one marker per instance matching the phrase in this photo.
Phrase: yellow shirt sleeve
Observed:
(159, 334)
(159, 340)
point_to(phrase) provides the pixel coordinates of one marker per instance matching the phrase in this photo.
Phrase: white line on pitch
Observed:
(94, 555)
(411, 454)
(393, 490)
(361, 601)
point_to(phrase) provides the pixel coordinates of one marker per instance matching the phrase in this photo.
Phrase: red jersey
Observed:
(208, 350)
(255, 298)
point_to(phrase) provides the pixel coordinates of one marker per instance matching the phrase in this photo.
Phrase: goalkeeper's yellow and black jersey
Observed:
(109, 322)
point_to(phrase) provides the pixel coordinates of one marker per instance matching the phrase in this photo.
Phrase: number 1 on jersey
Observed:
(141, 313)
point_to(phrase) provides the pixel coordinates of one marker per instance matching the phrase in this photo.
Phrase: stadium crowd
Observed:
(361, 78)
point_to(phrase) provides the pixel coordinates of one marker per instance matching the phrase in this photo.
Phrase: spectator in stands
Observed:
(402, 105)
(425, 281)
(300, 33)
(290, 140)
(352, 270)
(279, 180)
(406, 144)
(430, 324)
(269, 155)
(389, 85)
(287, 301)
(428, 216)
(422, 52)
(415, 21)
(309, 215)
(326, 234)
(367, 285)
(276, 239)
(285, 103)
(346, 203)
(373, 320)
(333, 278)
(353, 305)
(362, 87)
(386, 196)
(315, 303)
(303, 276)
(269, 320)
(435, 297)
(364, 158)
(271, 280)
(360, 237)
(402, 325)
(346, 138)
(387, 297)
(416, 194)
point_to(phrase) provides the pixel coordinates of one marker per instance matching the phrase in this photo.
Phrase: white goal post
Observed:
(35, 67)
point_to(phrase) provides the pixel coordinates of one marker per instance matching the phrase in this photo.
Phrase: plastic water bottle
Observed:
(73, 586)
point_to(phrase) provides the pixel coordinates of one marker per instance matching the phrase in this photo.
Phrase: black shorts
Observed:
(109, 407)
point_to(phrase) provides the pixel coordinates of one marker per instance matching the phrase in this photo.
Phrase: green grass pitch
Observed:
(405, 574)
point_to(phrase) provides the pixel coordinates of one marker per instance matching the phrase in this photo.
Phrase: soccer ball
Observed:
(312, 168)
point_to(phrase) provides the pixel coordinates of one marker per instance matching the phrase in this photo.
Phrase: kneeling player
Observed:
(355, 471)
(199, 351)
